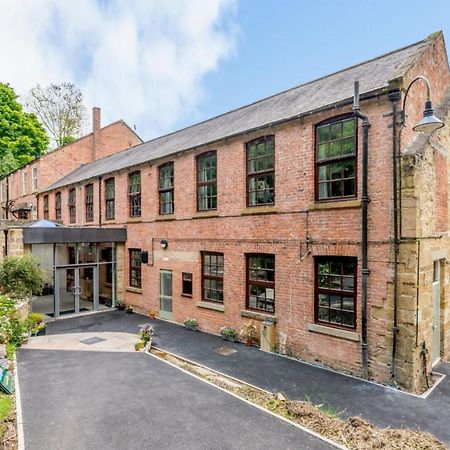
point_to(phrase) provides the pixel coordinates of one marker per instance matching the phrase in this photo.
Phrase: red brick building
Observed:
(257, 214)
(18, 189)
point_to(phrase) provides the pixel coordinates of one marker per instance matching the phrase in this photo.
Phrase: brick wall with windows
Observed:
(287, 223)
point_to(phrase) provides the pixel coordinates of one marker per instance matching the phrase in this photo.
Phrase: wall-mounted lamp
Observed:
(429, 121)
(164, 244)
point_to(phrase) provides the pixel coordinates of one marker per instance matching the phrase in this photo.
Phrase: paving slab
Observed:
(350, 396)
(82, 400)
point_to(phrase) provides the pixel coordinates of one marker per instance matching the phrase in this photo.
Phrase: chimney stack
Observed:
(96, 117)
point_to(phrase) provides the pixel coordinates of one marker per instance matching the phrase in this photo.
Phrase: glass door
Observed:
(86, 289)
(165, 294)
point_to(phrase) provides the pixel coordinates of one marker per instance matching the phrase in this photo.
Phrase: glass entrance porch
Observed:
(80, 277)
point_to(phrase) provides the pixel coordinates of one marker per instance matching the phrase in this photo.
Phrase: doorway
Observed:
(436, 297)
(165, 294)
(75, 290)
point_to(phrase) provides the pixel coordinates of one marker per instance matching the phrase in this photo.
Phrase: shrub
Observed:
(191, 322)
(228, 331)
(21, 276)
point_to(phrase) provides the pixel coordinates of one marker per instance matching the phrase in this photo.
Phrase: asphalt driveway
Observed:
(104, 400)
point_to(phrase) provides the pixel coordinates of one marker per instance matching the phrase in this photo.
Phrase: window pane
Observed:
(324, 133)
(348, 128)
(348, 303)
(348, 319)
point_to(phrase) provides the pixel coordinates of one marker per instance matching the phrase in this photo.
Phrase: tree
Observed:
(22, 137)
(60, 109)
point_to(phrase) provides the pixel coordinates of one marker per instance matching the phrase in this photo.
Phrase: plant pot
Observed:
(249, 342)
(228, 337)
(121, 307)
(129, 311)
(42, 332)
(190, 327)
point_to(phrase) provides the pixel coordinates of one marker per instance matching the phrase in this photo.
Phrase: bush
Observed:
(21, 276)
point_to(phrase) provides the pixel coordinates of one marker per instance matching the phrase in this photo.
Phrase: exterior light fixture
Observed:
(429, 122)
(164, 244)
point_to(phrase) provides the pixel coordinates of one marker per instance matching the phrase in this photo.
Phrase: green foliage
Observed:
(22, 137)
(68, 140)
(35, 318)
(20, 276)
(6, 405)
(34, 323)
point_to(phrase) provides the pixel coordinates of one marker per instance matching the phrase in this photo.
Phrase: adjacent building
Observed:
(259, 214)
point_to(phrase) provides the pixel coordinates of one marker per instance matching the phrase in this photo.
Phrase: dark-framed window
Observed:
(72, 202)
(166, 192)
(335, 302)
(207, 181)
(134, 194)
(261, 282)
(110, 195)
(89, 193)
(58, 206)
(212, 277)
(186, 284)
(261, 171)
(46, 211)
(135, 267)
(336, 159)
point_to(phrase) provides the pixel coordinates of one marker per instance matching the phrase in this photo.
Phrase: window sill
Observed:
(186, 295)
(164, 218)
(254, 210)
(109, 220)
(133, 289)
(341, 204)
(205, 214)
(134, 220)
(210, 305)
(258, 316)
(336, 332)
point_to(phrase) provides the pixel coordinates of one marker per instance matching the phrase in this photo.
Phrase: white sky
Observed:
(143, 60)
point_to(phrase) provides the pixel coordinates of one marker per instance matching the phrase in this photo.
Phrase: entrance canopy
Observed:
(61, 235)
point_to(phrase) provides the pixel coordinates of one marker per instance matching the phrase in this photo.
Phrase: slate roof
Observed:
(373, 76)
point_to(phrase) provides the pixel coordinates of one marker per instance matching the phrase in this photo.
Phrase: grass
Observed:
(6, 408)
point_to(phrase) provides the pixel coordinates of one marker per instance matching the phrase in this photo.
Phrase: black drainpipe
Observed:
(394, 97)
(6, 242)
(7, 197)
(99, 201)
(364, 206)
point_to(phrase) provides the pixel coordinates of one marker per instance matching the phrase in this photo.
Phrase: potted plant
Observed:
(129, 309)
(35, 324)
(248, 332)
(228, 334)
(191, 324)
(146, 333)
(152, 314)
(120, 305)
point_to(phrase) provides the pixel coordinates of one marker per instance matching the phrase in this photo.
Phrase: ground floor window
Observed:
(187, 284)
(335, 302)
(135, 267)
(261, 282)
(212, 276)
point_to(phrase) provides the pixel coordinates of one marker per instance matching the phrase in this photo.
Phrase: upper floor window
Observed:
(89, 202)
(261, 282)
(134, 194)
(336, 159)
(46, 214)
(135, 267)
(58, 206)
(207, 181)
(72, 205)
(335, 302)
(166, 192)
(212, 277)
(110, 194)
(34, 183)
(24, 182)
(261, 171)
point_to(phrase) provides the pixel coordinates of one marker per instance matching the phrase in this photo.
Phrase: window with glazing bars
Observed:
(261, 171)
(110, 193)
(207, 181)
(212, 277)
(135, 267)
(166, 192)
(261, 282)
(134, 194)
(336, 159)
(58, 206)
(336, 291)
(89, 202)
(46, 213)
(72, 205)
